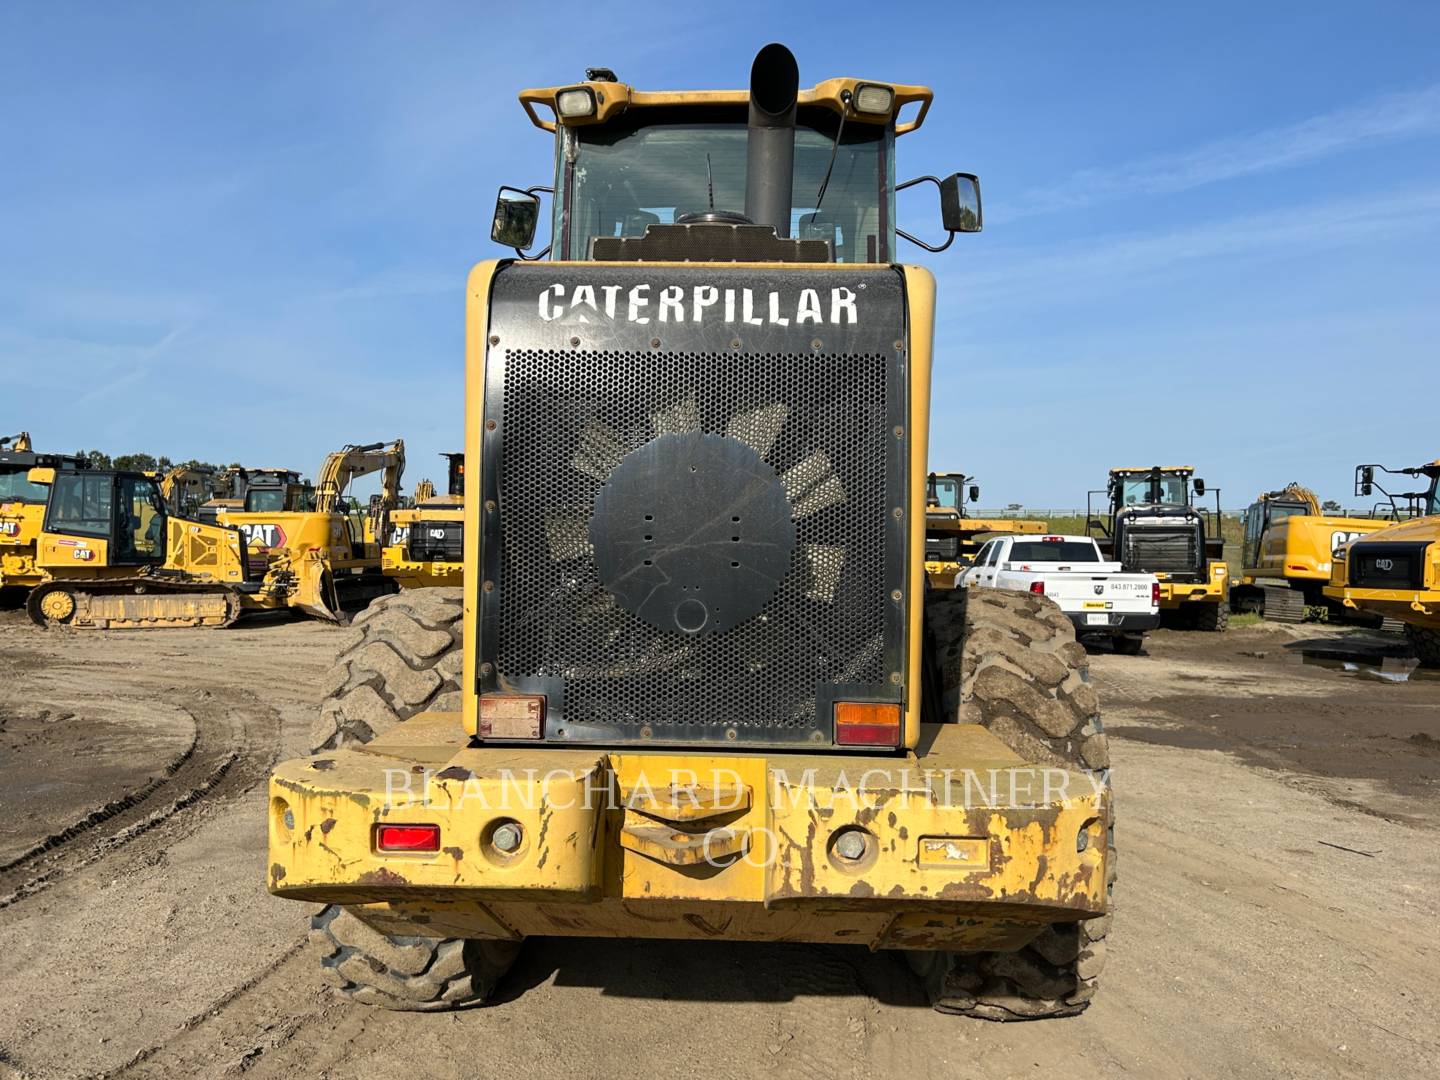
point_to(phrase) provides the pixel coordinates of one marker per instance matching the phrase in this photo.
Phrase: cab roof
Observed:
(615, 98)
(1162, 468)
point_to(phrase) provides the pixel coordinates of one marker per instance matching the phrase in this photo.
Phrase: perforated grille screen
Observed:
(828, 427)
(1153, 549)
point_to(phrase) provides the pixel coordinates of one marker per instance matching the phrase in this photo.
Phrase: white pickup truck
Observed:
(1099, 599)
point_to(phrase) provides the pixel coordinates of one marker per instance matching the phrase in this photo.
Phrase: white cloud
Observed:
(1408, 115)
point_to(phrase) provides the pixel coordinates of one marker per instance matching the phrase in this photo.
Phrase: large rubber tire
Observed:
(1009, 661)
(1426, 643)
(410, 974)
(402, 657)
(1212, 617)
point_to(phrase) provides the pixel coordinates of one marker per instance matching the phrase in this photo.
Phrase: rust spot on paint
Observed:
(327, 825)
(455, 772)
(323, 765)
(456, 853)
(864, 888)
(382, 876)
(277, 872)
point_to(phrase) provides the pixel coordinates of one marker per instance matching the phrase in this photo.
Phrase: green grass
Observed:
(1245, 618)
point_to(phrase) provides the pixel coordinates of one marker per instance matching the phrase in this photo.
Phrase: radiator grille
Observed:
(442, 541)
(822, 422)
(1387, 565)
(1157, 550)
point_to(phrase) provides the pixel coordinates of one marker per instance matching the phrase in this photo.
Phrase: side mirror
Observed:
(1365, 481)
(1199, 487)
(960, 203)
(974, 492)
(517, 213)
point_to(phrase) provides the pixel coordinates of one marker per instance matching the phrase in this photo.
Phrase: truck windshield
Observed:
(619, 177)
(1066, 551)
(1136, 490)
(16, 487)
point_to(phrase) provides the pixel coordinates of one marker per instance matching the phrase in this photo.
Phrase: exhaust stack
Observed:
(770, 148)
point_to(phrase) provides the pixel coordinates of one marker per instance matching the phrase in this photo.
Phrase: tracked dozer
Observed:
(953, 535)
(318, 548)
(696, 685)
(1287, 555)
(426, 544)
(1154, 526)
(1395, 573)
(113, 556)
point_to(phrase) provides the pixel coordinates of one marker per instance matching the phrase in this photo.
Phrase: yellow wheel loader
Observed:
(696, 685)
(952, 536)
(426, 543)
(113, 556)
(1395, 572)
(1287, 553)
(1155, 527)
(22, 513)
(318, 549)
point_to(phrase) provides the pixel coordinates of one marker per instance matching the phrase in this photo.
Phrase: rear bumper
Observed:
(1418, 606)
(395, 562)
(1174, 594)
(1120, 621)
(964, 845)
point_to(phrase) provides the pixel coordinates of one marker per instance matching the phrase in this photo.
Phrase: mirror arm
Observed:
(949, 239)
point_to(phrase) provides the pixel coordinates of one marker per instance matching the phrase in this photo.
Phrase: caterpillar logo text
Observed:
(262, 535)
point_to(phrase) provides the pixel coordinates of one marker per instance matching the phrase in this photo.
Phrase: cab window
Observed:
(15, 486)
(81, 505)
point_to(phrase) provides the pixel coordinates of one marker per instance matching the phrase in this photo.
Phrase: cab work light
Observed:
(870, 98)
(407, 837)
(579, 101)
(867, 723)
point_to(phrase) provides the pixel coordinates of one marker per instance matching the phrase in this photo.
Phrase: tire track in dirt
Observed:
(236, 742)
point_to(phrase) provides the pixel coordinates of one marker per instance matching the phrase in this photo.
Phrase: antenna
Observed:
(710, 181)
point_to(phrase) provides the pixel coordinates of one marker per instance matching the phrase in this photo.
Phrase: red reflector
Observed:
(407, 837)
(866, 723)
(1292, 566)
(1155, 592)
(1038, 588)
(1053, 539)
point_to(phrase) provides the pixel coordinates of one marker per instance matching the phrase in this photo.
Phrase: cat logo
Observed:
(261, 535)
(9, 528)
(1385, 564)
(437, 534)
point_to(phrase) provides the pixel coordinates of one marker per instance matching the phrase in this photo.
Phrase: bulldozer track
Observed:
(234, 745)
(140, 583)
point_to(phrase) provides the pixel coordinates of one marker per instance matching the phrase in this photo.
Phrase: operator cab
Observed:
(771, 174)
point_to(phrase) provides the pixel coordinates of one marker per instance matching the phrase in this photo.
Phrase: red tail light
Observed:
(407, 837)
(1155, 593)
(1038, 588)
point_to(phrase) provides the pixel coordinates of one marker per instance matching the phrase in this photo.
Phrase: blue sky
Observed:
(242, 232)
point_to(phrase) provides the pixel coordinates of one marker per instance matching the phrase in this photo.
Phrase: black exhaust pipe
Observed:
(770, 149)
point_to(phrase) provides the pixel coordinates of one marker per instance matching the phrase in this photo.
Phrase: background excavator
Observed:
(1287, 553)
(426, 544)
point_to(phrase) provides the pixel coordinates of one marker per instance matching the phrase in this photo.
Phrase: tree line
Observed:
(98, 459)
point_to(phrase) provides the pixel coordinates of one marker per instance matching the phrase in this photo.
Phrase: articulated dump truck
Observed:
(695, 685)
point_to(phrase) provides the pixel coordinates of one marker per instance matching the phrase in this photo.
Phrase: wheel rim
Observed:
(57, 606)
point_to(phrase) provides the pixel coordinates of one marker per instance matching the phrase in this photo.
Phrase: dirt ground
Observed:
(1279, 835)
